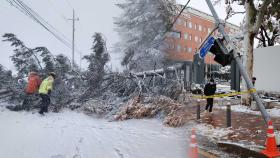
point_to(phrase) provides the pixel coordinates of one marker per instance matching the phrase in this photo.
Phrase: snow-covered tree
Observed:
(41, 60)
(96, 68)
(62, 65)
(46, 59)
(24, 58)
(142, 27)
(5, 77)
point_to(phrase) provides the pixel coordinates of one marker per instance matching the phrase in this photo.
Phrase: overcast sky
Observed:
(94, 15)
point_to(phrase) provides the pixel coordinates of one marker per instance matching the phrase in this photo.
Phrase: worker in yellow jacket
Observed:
(45, 91)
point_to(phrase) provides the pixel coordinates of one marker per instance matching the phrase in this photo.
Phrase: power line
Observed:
(49, 26)
(172, 24)
(37, 18)
(26, 10)
(177, 17)
(20, 5)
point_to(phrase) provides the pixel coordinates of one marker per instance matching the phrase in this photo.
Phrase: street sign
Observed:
(206, 46)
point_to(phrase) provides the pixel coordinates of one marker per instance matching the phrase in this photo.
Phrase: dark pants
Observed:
(26, 104)
(45, 103)
(209, 104)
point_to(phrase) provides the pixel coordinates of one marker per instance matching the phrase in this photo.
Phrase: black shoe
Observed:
(41, 113)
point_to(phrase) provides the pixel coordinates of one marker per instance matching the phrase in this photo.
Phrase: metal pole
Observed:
(73, 39)
(198, 109)
(243, 72)
(228, 114)
(81, 56)
(210, 75)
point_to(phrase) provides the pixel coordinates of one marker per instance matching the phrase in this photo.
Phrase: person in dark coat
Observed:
(254, 80)
(210, 89)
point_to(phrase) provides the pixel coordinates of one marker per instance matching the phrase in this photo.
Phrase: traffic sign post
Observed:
(206, 47)
(237, 59)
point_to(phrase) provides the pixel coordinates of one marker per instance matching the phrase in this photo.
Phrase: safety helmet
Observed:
(52, 74)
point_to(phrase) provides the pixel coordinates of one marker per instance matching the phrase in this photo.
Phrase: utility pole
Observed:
(81, 55)
(239, 64)
(74, 19)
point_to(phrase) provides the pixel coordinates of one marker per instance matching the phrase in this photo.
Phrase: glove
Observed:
(49, 92)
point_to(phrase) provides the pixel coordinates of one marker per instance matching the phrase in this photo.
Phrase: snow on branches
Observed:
(142, 27)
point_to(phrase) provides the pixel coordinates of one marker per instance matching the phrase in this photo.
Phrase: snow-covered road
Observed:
(74, 135)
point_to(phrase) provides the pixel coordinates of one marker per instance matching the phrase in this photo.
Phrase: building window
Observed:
(190, 50)
(186, 36)
(190, 37)
(195, 38)
(195, 26)
(178, 48)
(209, 30)
(179, 21)
(199, 27)
(190, 24)
(204, 29)
(186, 49)
(200, 40)
(175, 34)
(186, 23)
(171, 46)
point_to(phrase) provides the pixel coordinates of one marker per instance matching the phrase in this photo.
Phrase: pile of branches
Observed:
(156, 82)
(173, 113)
(119, 91)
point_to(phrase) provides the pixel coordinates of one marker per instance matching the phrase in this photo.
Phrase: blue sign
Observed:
(206, 46)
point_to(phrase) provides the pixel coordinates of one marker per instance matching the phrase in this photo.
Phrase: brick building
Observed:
(191, 28)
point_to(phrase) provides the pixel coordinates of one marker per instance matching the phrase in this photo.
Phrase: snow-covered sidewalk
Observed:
(74, 135)
(247, 125)
(274, 112)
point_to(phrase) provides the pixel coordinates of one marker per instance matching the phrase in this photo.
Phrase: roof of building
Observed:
(206, 16)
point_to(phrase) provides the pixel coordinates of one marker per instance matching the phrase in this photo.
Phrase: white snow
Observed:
(74, 135)
(212, 133)
(274, 112)
(223, 88)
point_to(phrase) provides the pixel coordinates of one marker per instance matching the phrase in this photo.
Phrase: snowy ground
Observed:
(274, 112)
(74, 135)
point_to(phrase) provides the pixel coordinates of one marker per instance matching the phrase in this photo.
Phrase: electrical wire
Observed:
(35, 16)
(21, 6)
(172, 24)
(177, 17)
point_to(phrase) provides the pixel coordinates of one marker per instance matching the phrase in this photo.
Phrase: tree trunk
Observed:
(249, 48)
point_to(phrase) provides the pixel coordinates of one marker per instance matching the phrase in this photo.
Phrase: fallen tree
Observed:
(173, 113)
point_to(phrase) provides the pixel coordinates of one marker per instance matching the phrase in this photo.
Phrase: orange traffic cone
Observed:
(193, 149)
(271, 147)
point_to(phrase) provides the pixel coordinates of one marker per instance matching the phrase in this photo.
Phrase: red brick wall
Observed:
(183, 54)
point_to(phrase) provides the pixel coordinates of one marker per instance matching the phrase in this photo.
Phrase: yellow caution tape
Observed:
(226, 95)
